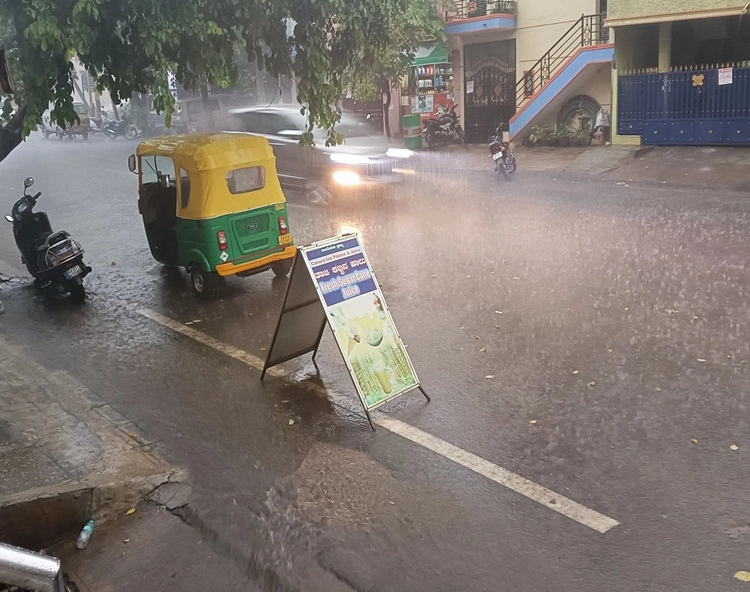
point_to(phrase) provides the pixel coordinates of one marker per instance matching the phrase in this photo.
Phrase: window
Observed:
(158, 169)
(246, 179)
(184, 188)
(528, 83)
(259, 122)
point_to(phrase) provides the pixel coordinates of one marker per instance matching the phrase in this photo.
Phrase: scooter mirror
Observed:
(9, 218)
(28, 182)
(131, 163)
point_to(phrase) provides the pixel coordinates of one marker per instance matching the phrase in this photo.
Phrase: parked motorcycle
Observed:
(98, 123)
(112, 129)
(501, 153)
(54, 259)
(443, 129)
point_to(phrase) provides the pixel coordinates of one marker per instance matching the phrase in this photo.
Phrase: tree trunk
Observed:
(386, 90)
(11, 134)
(208, 116)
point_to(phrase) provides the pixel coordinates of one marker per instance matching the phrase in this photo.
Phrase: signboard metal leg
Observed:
(426, 396)
(369, 418)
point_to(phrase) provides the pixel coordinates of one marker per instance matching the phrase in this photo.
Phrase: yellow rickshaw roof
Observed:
(209, 151)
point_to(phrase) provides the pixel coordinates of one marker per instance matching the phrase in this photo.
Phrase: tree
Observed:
(130, 46)
(376, 68)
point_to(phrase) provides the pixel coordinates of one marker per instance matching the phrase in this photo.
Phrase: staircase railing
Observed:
(587, 31)
(463, 9)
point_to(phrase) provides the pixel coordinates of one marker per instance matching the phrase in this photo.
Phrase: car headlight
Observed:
(346, 178)
(399, 152)
(350, 158)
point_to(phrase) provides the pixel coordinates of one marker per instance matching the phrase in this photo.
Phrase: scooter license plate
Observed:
(497, 156)
(72, 272)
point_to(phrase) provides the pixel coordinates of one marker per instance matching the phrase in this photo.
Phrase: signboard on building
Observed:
(423, 104)
(726, 76)
(350, 301)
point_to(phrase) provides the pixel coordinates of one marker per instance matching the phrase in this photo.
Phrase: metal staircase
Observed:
(534, 89)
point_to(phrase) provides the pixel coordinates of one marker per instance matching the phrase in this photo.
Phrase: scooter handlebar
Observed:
(36, 197)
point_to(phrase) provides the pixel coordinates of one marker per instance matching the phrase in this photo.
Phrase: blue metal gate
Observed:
(686, 108)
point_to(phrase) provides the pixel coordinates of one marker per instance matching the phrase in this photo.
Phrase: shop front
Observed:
(427, 90)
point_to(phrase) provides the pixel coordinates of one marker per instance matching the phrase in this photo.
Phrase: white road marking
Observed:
(546, 497)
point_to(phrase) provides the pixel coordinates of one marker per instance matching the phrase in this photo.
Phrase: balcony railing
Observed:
(465, 9)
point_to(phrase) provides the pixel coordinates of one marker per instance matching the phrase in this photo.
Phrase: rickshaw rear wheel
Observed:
(282, 268)
(205, 283)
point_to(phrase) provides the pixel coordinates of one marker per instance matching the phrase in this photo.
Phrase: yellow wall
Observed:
(672, 10)
(541, 23)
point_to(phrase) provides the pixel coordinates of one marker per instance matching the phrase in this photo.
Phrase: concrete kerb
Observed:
(122, 471)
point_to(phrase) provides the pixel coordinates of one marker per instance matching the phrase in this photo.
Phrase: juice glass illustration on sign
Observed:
(365, 332)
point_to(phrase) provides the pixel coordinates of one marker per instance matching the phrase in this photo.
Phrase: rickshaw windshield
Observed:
(156, 168)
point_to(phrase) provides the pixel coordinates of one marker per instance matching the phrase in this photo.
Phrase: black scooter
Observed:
(54, 259)
(501, 153)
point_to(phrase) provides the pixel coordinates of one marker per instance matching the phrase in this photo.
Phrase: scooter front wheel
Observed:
(502, 170)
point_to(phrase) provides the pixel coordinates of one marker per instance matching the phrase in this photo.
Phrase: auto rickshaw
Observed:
(212, 204)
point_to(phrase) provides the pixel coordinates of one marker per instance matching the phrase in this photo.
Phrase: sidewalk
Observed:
(65, 455)
(151, 550)
(697, 167)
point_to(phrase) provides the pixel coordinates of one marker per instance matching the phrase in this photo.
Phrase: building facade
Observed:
(527, 62)
(682, 71)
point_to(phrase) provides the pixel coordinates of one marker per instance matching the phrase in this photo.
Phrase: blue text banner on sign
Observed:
(341, 271)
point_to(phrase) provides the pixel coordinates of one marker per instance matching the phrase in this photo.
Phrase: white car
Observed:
(364, 163)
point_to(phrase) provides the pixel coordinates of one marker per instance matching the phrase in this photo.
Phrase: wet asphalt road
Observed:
(614, 317)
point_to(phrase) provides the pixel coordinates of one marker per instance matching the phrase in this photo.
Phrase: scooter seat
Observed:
(53, 238)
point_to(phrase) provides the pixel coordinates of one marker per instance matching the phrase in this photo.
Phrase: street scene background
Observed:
(588, 332)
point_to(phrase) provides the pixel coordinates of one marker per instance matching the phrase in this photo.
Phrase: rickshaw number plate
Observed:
(285, 239)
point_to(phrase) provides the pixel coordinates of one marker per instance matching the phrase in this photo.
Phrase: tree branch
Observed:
(11, 133)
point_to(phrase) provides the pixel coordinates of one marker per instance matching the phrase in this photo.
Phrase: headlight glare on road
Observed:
(346, 178)
(399, 153)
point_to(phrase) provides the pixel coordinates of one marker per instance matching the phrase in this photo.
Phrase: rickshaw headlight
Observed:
(221, 236)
